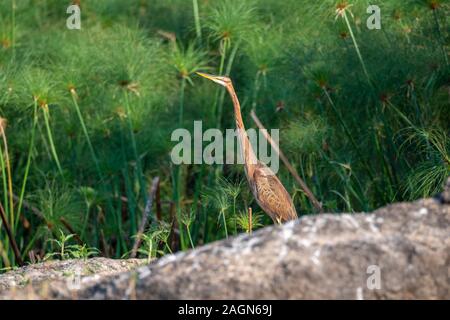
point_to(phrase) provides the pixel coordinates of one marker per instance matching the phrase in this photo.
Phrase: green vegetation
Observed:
(87, 115)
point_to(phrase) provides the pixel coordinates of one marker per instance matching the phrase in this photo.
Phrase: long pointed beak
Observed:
(217, 79)
(207, 76)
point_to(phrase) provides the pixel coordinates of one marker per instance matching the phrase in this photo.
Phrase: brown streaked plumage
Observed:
(267, 189)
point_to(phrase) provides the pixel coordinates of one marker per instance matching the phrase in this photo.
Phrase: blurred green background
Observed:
(86, 115)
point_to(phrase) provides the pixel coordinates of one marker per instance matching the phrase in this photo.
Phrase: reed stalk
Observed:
(355, 43)
(250, 220)
(190, 237)
(140, 173)
(198, 28)
(440, 37)
(227, 73)
(28, 163)
(7, 164)
(13, 28)
(50, 138)
(85, 132)
(223, 53)
(224, 220)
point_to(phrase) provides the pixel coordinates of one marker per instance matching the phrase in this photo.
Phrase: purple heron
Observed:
(267, 189)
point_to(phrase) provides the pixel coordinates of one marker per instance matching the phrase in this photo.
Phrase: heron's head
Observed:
(223, 81)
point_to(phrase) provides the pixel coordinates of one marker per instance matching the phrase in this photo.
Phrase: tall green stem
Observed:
(234, 215)
(28, 164)
(85, 222)
(140, 173)
(198, 28)
(223, 53)
(348, 133)
(8, 171)
(50, 140)
(227, 73)
(441, 38)
(341, 120)
(225, 224)
(103, 188)
(131, 201)
(176, 176)
(402, 115)
(86, 135)
(4, 182)
(255, 90)
(355, 43)
(13, 28)
(181, 105)
(190, 237)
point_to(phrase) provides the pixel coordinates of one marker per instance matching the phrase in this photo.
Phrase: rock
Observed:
(67, 270)
(397, 252)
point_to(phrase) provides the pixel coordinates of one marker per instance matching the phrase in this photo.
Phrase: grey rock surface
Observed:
(401, 251)
(68, 270)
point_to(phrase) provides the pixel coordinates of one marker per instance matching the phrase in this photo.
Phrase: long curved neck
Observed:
(246, 147)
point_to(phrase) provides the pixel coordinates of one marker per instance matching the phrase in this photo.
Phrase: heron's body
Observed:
(267, 189)
(270, 194)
